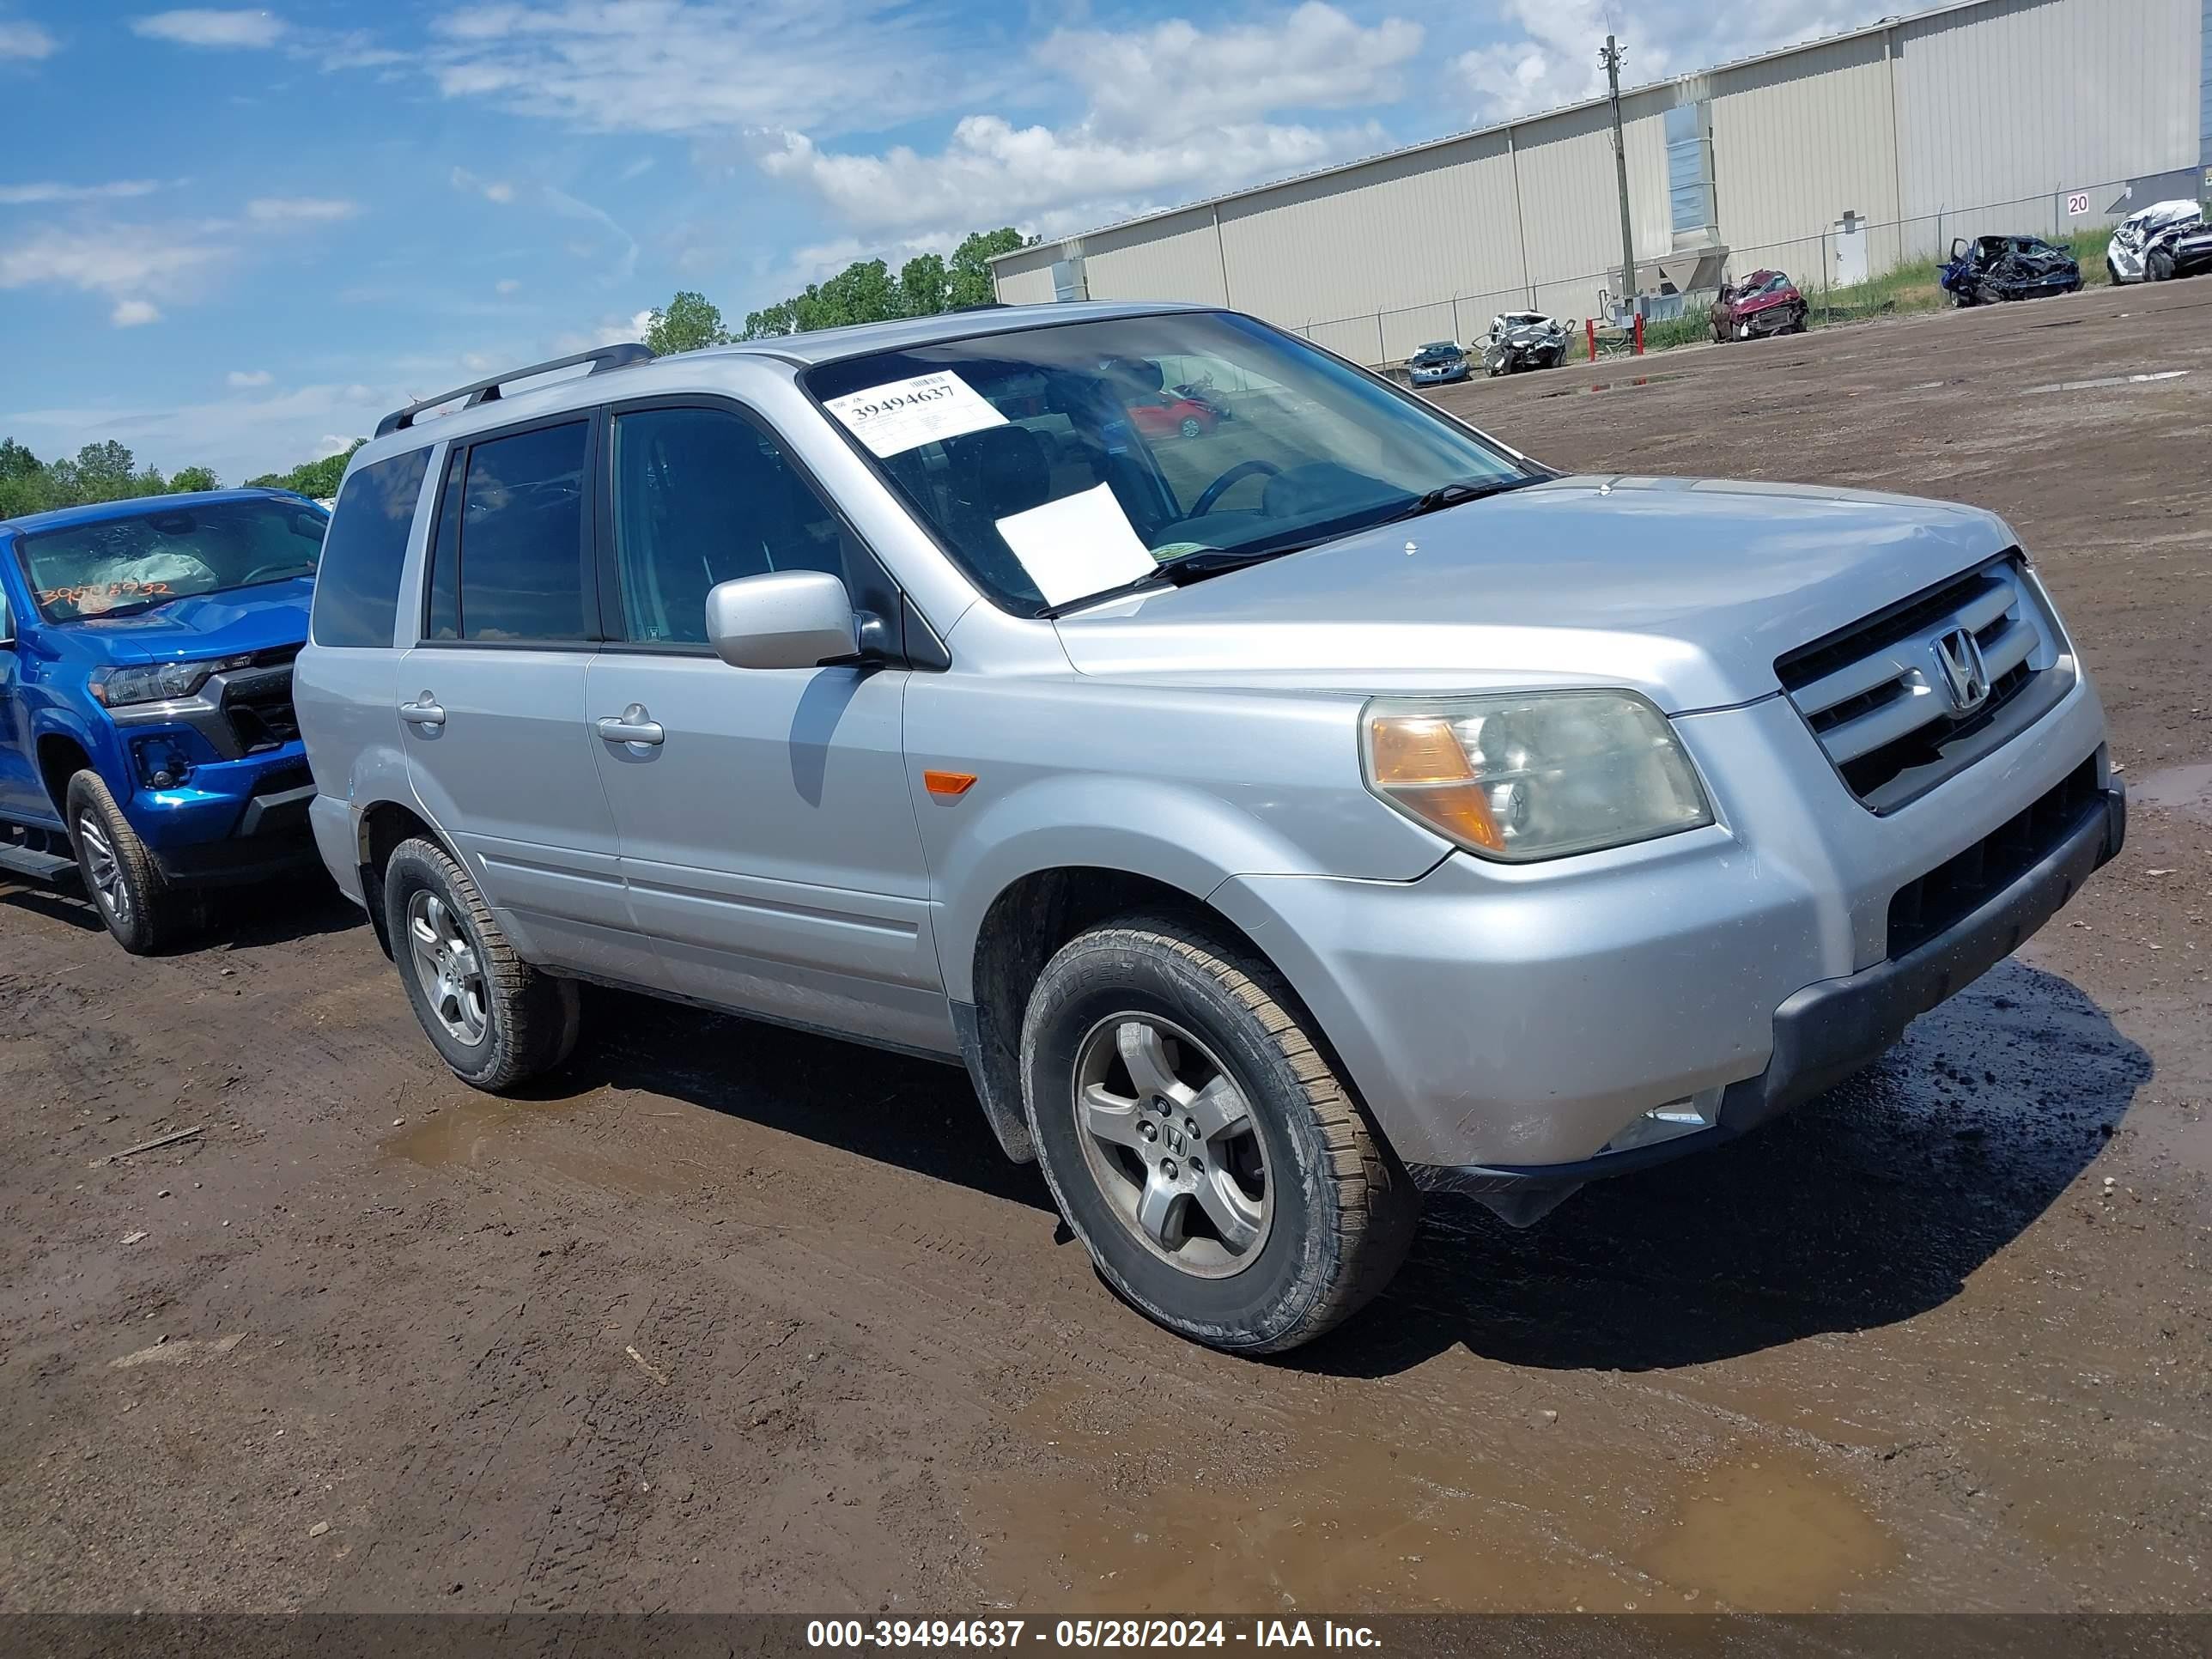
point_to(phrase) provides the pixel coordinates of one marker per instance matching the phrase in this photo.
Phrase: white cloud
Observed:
(609, 330)
(696, 68)
(242, 379)
(505, 285)
(196, 27)
(626, 263)
(26, 40)
(299, 209)
(48, 191)
(1156, 80)
(1172, 112)
(122, 260)
(330, 444)
(492, 190)
(1552, 59)
(239, 437)
(133, 313)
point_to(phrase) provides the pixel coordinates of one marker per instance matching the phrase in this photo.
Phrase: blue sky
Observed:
(237, 236)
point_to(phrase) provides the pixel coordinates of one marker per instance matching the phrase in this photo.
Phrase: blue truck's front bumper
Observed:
(229, 820)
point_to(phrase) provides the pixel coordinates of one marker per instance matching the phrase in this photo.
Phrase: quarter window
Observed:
(704, 496)
(357, 588)
(521, 538)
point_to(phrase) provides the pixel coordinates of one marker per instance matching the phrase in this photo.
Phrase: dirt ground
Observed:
(733, 1319)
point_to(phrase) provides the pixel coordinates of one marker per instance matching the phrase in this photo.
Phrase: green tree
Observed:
(18, 462)
(105, 470)
(924, 285)
(690, 321)
(194, 478)
(971, 284)
(862, 293)
(772, 322)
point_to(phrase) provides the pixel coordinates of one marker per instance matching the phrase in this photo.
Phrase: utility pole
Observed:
(1610, 56)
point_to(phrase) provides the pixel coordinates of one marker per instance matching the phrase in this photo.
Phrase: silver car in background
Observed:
(1275, 823)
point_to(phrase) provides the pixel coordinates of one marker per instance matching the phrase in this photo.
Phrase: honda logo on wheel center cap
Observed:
(1965, 676)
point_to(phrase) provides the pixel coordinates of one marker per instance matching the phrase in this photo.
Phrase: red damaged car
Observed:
(1765, 302)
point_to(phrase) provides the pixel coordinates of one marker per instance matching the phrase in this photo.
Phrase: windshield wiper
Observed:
(1178, 573)
(1214, 562)
(1458, 493)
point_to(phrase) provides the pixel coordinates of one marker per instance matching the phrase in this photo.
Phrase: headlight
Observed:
(1533, 775)
(156, 682)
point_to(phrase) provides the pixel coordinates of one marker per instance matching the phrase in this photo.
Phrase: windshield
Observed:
(1052, 465)
(122, 565)
(1439, 348)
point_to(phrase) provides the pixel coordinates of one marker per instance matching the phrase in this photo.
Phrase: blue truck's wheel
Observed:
(141, 908)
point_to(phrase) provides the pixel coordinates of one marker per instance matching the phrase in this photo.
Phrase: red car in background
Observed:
(1765, 302)
(1169, 413)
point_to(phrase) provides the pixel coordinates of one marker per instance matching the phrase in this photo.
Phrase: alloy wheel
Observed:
(1171, 1141)
(448, 968)
(105, 869)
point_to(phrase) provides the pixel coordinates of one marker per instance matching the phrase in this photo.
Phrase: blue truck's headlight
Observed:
(112, 688)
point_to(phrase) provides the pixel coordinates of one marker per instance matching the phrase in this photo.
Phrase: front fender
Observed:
(55, 717)
(1165, 830)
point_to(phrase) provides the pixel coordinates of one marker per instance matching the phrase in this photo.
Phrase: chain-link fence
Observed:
(1854, 269)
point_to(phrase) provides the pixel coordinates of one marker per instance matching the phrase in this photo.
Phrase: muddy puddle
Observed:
(1151, 1521)
(2180, 788)
(481, 1132)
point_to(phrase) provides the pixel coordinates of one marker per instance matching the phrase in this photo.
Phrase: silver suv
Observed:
(1280, 802)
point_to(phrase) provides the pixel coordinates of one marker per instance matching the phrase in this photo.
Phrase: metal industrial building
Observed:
(1834, 160)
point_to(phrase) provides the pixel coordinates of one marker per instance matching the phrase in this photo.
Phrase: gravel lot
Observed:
(733, 1319)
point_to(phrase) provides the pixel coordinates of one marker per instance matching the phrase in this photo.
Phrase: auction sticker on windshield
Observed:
(905, 415)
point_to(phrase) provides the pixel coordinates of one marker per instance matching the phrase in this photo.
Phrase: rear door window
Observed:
(519, 540)
(357, 588)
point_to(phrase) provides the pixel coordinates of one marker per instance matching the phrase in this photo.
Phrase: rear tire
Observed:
(494, 1020)
(1259, 1207)
(141, 909)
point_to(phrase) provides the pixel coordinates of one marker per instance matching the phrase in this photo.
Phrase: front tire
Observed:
(494, 1020)
(143, 912)
(1192, 427)
(1201, 1146)
(2159, 268)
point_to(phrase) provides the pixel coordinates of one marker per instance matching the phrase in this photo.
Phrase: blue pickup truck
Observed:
(146, 726)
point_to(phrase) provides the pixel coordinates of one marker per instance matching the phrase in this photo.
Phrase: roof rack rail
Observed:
(486, 392)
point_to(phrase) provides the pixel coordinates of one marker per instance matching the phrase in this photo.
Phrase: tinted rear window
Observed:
(357, 592)
(522, 537)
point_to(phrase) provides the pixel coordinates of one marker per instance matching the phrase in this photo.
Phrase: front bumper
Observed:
(229, 820)
(1506, 1025)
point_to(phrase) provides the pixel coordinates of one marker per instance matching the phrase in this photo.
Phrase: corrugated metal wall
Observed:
(1799, 141)
(2014, 101)
(2006, 102)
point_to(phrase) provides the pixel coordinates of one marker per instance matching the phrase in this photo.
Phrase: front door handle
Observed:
(631, 725)
(423, 711)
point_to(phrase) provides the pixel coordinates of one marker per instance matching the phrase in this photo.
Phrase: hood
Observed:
(1763, 302)
(244, 619)
(1685, 589)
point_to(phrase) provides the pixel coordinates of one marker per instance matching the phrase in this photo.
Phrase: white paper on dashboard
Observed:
(903, 415)
(1078, 545)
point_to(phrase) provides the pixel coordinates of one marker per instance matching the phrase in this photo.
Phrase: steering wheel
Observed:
(1209, 496)
(260, 570)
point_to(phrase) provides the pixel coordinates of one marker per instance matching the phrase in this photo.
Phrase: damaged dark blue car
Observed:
(1987, 270)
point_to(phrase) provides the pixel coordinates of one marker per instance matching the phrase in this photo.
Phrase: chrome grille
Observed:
(1878, 697)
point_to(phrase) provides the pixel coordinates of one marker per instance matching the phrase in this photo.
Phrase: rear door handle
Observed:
(423, 711)
(632, 726)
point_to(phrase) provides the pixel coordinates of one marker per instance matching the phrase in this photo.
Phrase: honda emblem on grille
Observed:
(1965, 676)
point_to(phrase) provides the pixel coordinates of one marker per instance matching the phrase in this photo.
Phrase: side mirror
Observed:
(785, 619)
(6, 622)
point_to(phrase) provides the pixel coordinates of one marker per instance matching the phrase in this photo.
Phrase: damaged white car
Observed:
(2164, 240)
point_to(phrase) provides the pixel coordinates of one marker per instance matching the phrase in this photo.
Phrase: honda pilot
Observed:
(1277, 823)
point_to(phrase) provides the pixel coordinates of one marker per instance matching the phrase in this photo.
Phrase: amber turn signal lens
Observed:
(1419, 763)
(948, 784)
